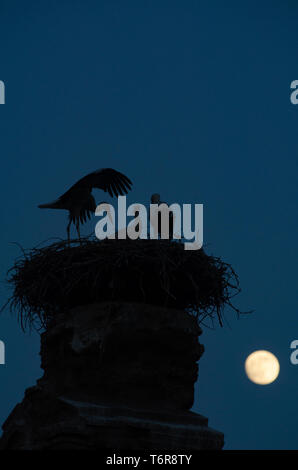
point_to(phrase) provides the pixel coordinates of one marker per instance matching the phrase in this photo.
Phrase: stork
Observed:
(155, 199)
(79, 201)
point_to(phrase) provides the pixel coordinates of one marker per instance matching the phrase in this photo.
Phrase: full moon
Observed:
(262, 367)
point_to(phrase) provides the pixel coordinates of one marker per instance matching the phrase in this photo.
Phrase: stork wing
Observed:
(107, 179)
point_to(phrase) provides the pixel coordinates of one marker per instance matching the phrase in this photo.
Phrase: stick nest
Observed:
(53, 279)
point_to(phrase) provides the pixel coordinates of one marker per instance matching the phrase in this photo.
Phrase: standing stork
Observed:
(79, 201)
(155, 199)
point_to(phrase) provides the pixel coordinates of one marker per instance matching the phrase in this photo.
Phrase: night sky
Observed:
(189, 99)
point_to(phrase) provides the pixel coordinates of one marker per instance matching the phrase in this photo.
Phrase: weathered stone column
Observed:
(120, 348)
(117, 375)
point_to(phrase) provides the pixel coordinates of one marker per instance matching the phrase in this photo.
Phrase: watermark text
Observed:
(2, 92)
(162, 221)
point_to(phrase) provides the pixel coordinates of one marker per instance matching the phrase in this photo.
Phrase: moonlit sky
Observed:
(191, 100)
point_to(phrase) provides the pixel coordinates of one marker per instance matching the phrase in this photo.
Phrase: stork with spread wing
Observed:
(79, 201)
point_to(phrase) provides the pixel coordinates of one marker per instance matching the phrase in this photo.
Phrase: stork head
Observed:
(155, 198)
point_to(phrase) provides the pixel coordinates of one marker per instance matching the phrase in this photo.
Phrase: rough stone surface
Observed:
(116, 375)
(126, 353)
(47, 422)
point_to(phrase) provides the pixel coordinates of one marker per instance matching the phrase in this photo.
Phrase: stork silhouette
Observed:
(157, 225)
(79, 201)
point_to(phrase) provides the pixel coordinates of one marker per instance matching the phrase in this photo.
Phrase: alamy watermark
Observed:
(166, 222)
(2, 92)
(294, 354)
(2, 353)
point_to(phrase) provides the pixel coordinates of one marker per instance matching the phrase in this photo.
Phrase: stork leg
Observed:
(68, 232)
(78, 229)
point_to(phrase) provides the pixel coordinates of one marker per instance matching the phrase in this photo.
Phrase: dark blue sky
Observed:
(189, 99)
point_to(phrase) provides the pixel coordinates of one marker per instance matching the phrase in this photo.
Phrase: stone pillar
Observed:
(116, 376)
